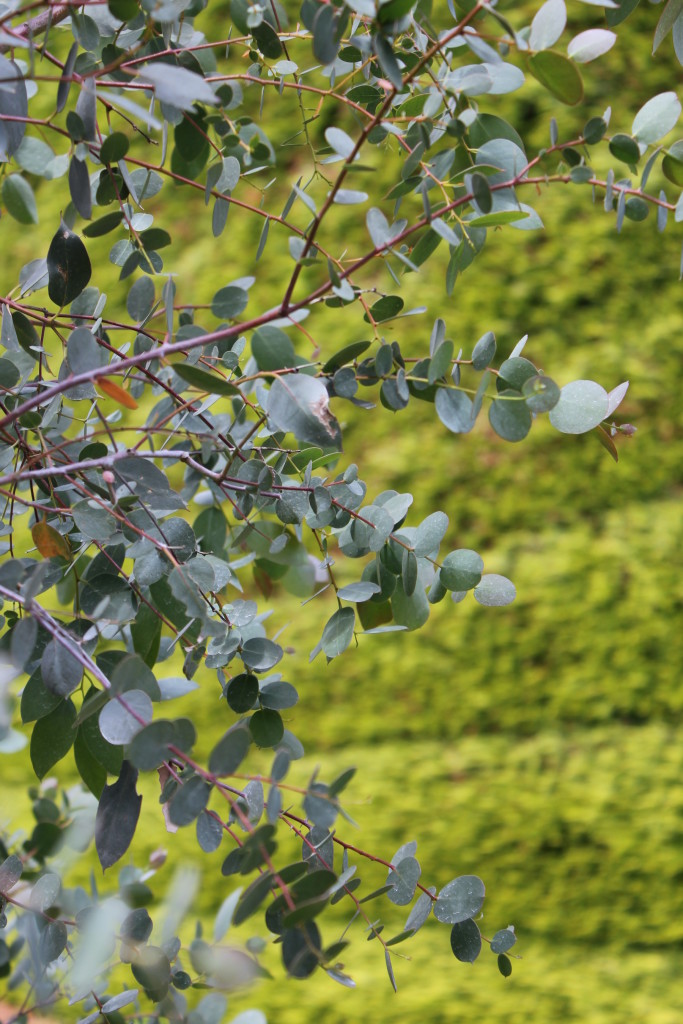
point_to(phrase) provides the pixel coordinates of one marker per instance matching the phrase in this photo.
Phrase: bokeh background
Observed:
(538, 746)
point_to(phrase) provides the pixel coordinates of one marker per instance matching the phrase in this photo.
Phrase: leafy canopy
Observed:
(168, 463)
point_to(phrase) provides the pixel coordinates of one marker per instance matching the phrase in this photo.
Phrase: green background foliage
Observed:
(537, 745)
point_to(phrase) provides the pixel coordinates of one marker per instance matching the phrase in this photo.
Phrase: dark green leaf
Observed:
(208, 382)
(53, 736)
(510, 416)
(514, 372)
(504, 965)
(465, 941)
(103, 225)
(558, 74)
(624, 148)
(114, 148)
(266, 727)
(60, 669)
(149, 747)
(346, 355)
(146, 634)
(267, 40)
(68, 267)
(36, 700)
(117, 817)
(229, 302)
(503, 940)
(481, 191)
(386, 308)
(92, 773)
(387, 61)
(155, 238)
(79, 187)
(241, 692)
(594, 130)
(541, 393)
(252, 897)
(230, 751)
(65, 81)
(301, 949)
(152, 969)
(189, 800)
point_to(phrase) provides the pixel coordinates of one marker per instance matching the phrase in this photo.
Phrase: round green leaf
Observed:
(229, 302)
(461, 569)
(558, 74)
(409, 610)
(151, 968)
(119, 724)
(18, 197)
(583, 405)
(636, 208)
(272, 348)
(278, 695)
(60, 669)
(404, 878)
(189, 800)
(514, 372)
(460, 899)
(503, 940)
(624, 148)
(594, 130)
(261, 654)
(9, 374)
(495, 591)
(241, 692)
(541, 393)
(266, 727)
(509, 415)
(385, 308)
(466, 941)
(149, 747)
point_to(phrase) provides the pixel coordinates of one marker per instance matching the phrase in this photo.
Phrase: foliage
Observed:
(212, 411)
